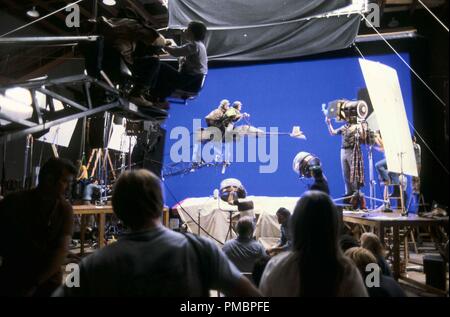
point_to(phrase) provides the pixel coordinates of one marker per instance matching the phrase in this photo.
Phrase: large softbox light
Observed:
(387, 100)
(61, 134)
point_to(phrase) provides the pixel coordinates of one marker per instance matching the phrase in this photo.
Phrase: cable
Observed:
(429, 149)
(403, 60)
(195, 222)
(434, 15)
(358, 50)
(40, 19)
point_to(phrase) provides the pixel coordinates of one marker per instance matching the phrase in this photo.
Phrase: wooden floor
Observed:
(415, 272)
(413, 291)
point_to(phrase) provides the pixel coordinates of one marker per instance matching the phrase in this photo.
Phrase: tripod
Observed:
(229, 234)
(404, 210)
(372, 181)
(230, 225)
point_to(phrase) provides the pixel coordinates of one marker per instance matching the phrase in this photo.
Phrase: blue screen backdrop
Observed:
(283, 95)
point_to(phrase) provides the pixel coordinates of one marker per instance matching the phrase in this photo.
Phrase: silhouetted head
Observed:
(283, 215)
(371, 242)
(56, 175)
(245, 227)
(137, 198)
(361, 257)
(347, 241)
(315, 227)
(197, 30)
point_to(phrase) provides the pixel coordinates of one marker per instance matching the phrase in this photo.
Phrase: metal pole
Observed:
(400, 184)
(94, 11)
(30, 167)
(372, 181)
(3, 181)
(198, 222)
(129, 154)
(83, 141)
(105, 154)
(47, 39)
(25, 164)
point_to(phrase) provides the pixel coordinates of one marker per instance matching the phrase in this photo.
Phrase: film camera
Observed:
(232, 186)
(346, 110)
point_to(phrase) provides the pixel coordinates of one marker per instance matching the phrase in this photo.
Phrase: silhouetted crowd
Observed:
(311, 259)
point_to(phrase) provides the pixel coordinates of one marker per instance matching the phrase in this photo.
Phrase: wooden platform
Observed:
(100, 212)
(379, 222)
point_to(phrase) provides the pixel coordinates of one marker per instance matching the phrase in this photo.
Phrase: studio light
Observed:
(20, 95)
(33, 13)
(304, 163)
(109, 2)
(346, 110)
(16, 104)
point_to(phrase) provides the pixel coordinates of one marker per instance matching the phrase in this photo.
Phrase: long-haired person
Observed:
(380, 284)
(371, 242)
(316, 265)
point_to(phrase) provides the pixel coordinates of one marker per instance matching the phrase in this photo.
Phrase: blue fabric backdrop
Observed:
(280, 95)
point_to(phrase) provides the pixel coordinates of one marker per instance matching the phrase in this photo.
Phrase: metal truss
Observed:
(76, 95)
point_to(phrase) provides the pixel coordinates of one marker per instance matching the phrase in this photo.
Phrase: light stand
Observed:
(230, 220)
(82, 154)
(129, 153)
(402, 175)
(371, 177)
(123, 159)
(230, 226)
(103, 170)
(123, 155)
(28, 147)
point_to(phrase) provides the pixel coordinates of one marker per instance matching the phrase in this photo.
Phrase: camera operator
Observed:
(320, 181)
(233, 192)
(353, 133)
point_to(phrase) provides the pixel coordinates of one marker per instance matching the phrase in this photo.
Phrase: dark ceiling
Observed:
(20, 62)
(25, 62)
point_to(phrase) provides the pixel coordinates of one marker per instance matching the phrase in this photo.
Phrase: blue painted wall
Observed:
(279, 95)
